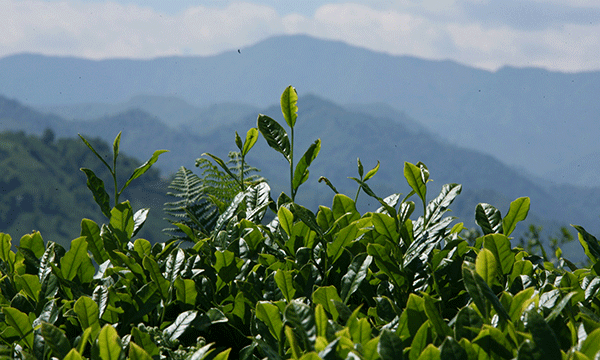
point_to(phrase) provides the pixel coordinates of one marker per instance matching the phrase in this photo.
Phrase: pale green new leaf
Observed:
(325, 295)
(486, 266)
(289, 107)
(269, 314)
(95, 245)
(70, 263)
(137, 353)
(21, 323)
(88, 314)
(109, 343)
(285, 283)
(517, 212)
(251, 137)
(499, 245)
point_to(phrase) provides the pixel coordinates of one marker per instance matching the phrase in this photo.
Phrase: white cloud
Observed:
(428, 28)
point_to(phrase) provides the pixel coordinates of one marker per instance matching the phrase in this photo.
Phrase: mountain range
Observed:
(536, 120)
(371, 133)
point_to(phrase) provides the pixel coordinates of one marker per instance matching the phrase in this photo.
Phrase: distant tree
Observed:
(48, 136)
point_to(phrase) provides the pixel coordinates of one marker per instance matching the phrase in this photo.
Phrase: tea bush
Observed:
(334, 284)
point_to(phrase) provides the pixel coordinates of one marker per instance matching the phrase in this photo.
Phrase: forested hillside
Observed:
(43, 188)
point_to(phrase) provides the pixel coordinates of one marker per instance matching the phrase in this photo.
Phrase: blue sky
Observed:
(561, 35)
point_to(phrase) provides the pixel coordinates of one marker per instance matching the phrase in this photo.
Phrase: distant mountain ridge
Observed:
(345, 136)
(535, 119)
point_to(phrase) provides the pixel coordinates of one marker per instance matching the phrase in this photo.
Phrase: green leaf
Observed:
(467, 320)
(432, 312)
(223, 355)
(357, 272)
(385, 263)
(96, 185)
(226, 265)
(156, 275)
(30, 284)
(416, 179)
(307, 217)
(371, 172)
(499, 245)
(451, 350)
(390, 346)
(494, 342)
(56, 340)
(144, 340)
(116, 150)
(328, 183)
(285, 283)
(137, 353)
(589, 243)
(342, 239)
(72, 260)
(486, 266)
(174, 264)
(343, 205)
(325, 295)
(423, 337)
(251, 137)
(479, 291)
(180, 325)
(301, 318)
(95, 245)
(21, 323)
(238, 141)
(88, 314)
(73, 355)
(269, 314)
(591, 345)
(139, 219)
(186, 291)
(142, 247)
(95, 153)
(5, 248)
(430, 353)
(386, 226)
(143, 168)
(488, 218)
(109, 343)
(294, 348)
(276, 136)
(289, 107)
(33, 242)
(122, 222)
(301, 172)
(286, 219)
(517, 212)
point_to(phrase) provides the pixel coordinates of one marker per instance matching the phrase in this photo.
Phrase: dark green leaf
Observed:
(390, 346)
(95, 153)
(451, 350)
(543, 335)
(276, 136)
(224, 166)
(488, 218)
(289, 107)
(56, 340)
(300, 317)
(238, 142)
(95, 245)
(96, 185)
(357, 272)
(328, 183)
(156, 275)
(145, 341)
(517, 212)
(307, 217)
(342, 239)
(180, 325)
(432, 312)
(467, 320)
(589, 243)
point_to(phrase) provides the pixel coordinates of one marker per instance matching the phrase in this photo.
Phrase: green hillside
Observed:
(43, 188)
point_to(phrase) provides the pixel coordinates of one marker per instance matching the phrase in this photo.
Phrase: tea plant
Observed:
(335, 284)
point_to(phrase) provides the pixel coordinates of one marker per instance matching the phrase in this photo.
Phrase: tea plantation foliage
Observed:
(402, 282)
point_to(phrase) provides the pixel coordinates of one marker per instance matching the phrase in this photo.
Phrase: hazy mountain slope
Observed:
(345, 136)
(532, 118)
(43, 189)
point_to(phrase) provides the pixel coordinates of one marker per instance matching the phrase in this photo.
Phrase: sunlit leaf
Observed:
(517, 212)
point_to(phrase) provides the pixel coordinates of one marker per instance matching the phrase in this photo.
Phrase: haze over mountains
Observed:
(465, 124)
(531, 118)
